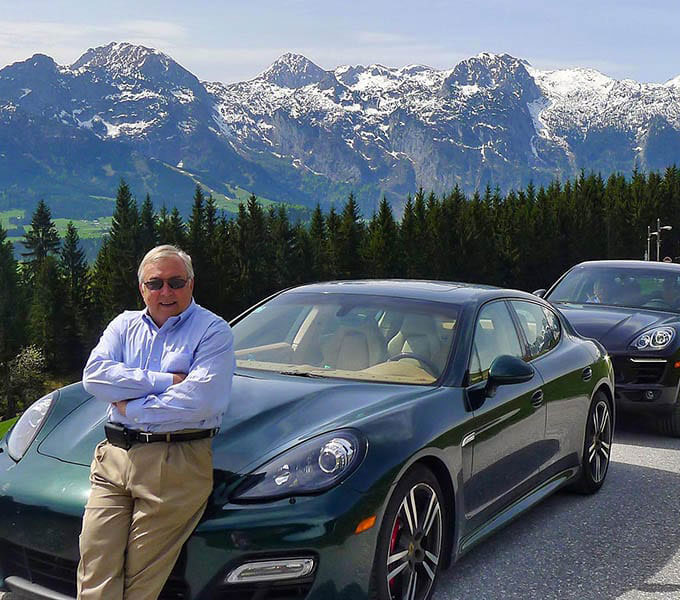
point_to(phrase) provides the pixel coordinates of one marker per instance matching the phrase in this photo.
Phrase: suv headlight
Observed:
(313, 466)
(27, 427)
(654, 339)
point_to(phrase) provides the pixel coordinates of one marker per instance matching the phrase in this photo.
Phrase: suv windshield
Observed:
(374, 338)
(633, 287)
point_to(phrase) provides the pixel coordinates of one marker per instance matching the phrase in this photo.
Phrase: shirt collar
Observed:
(172, 321)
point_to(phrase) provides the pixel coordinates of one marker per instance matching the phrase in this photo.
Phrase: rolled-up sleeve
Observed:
(107, 378)
(204, 393)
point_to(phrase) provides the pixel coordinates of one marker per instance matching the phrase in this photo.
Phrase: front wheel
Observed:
(670, 424)
(409, 552)
(597, 448)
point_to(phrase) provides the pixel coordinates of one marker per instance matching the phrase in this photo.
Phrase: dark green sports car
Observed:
(377, 430)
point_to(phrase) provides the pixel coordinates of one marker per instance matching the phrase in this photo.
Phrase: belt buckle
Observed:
(145, 435)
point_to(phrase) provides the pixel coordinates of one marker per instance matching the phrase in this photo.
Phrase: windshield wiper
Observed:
(302, 374)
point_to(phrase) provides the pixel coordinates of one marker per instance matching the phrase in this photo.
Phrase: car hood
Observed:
(614, 327)
(266, 415)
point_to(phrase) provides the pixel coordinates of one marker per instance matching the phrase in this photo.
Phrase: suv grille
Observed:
(628, 370)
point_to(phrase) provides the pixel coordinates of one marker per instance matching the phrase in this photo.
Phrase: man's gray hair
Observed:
(165, 251)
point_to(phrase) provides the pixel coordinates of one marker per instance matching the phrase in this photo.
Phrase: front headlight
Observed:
(27, 427)
(654, 339)
(313, 466)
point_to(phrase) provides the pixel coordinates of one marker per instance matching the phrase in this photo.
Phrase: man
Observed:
(166, 373)
(603, 290)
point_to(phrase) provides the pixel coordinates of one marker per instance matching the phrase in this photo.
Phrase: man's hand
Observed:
(178, 378)
(122, 404)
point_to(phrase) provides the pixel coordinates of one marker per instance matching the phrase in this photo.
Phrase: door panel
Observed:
(509, 423)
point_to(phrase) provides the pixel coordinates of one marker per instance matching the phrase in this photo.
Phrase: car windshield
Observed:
(352, 336)
(632, 287)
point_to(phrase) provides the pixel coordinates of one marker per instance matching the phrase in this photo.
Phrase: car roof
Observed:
(438, 291)
(649, 264)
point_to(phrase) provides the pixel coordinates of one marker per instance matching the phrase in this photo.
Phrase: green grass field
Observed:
(86, 228)
(5, 425)
(6, 215)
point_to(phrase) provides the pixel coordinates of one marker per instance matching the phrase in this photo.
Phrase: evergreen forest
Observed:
(53, 305)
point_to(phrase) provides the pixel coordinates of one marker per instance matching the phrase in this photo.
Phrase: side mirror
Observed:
(540, 293)
(504, 370)
(508, 369)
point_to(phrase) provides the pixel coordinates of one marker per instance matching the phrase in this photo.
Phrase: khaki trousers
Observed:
(143, 505)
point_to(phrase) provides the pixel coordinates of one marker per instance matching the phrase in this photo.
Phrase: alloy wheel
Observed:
(415, 544)
(600, 439)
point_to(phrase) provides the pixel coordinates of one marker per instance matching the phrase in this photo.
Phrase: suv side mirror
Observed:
(540, 293)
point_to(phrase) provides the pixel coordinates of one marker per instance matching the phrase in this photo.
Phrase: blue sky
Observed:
(231, 41)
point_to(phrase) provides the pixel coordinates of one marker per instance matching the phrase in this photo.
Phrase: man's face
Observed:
(166, 302)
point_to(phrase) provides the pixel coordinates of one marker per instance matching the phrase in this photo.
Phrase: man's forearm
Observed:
(113, 381)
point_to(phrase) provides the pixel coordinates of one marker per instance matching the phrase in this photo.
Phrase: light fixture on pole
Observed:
(659, 229)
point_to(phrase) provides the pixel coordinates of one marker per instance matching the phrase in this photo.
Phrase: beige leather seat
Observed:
(418, 334)
(355, 347)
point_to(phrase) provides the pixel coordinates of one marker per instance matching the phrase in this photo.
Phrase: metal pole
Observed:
(658, 240)
(649, 237)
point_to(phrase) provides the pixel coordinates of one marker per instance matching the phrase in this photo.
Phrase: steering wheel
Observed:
(430, 367)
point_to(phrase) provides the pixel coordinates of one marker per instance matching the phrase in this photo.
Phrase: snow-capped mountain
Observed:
(299, 133)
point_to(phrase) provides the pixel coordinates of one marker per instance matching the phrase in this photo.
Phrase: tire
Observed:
(670, 424)
(408, 555)
(597, 446)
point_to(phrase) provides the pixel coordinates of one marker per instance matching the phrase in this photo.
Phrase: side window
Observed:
(540, 325)
(494, 335)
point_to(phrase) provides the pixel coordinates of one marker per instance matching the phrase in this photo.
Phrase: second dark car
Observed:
(632, 308)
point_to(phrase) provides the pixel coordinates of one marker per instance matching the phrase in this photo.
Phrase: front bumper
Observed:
(42, 519)
(645, 384)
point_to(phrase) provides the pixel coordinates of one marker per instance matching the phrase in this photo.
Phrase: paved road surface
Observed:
(623, 543)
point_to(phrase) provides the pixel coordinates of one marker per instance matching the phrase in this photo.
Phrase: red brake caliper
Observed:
(393, 541)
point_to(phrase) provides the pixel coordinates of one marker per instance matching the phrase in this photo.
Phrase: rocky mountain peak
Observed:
(117, 58)
(293, 71)
(122, 63)
(491, 71)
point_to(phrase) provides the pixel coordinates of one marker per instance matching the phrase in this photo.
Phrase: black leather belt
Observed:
(121, 436)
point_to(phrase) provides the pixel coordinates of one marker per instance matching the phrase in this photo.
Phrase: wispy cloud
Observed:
(66, 41)
(381, 37)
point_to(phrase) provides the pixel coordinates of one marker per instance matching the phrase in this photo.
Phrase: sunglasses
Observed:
(174, 283)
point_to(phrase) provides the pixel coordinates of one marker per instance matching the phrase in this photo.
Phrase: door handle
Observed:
(537, 398)
(586, 374)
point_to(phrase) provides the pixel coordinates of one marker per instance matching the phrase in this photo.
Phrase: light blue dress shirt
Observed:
(135, 359)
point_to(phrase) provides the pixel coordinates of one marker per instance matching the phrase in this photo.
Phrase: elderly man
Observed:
(166, 374)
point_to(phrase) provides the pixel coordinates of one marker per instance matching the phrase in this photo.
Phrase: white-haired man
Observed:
(166, 373)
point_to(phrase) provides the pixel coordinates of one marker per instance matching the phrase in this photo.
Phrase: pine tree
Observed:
(42, 239)
(11, 307)
(333, 244)
(118, 276)
(176, 229)
(382, 251)
(47, 325)
(209, 275)
(78, 306)
(148, 227)
(318, 242)
(164, 228)
(196, 241)
(350, 241)
(282, 248)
